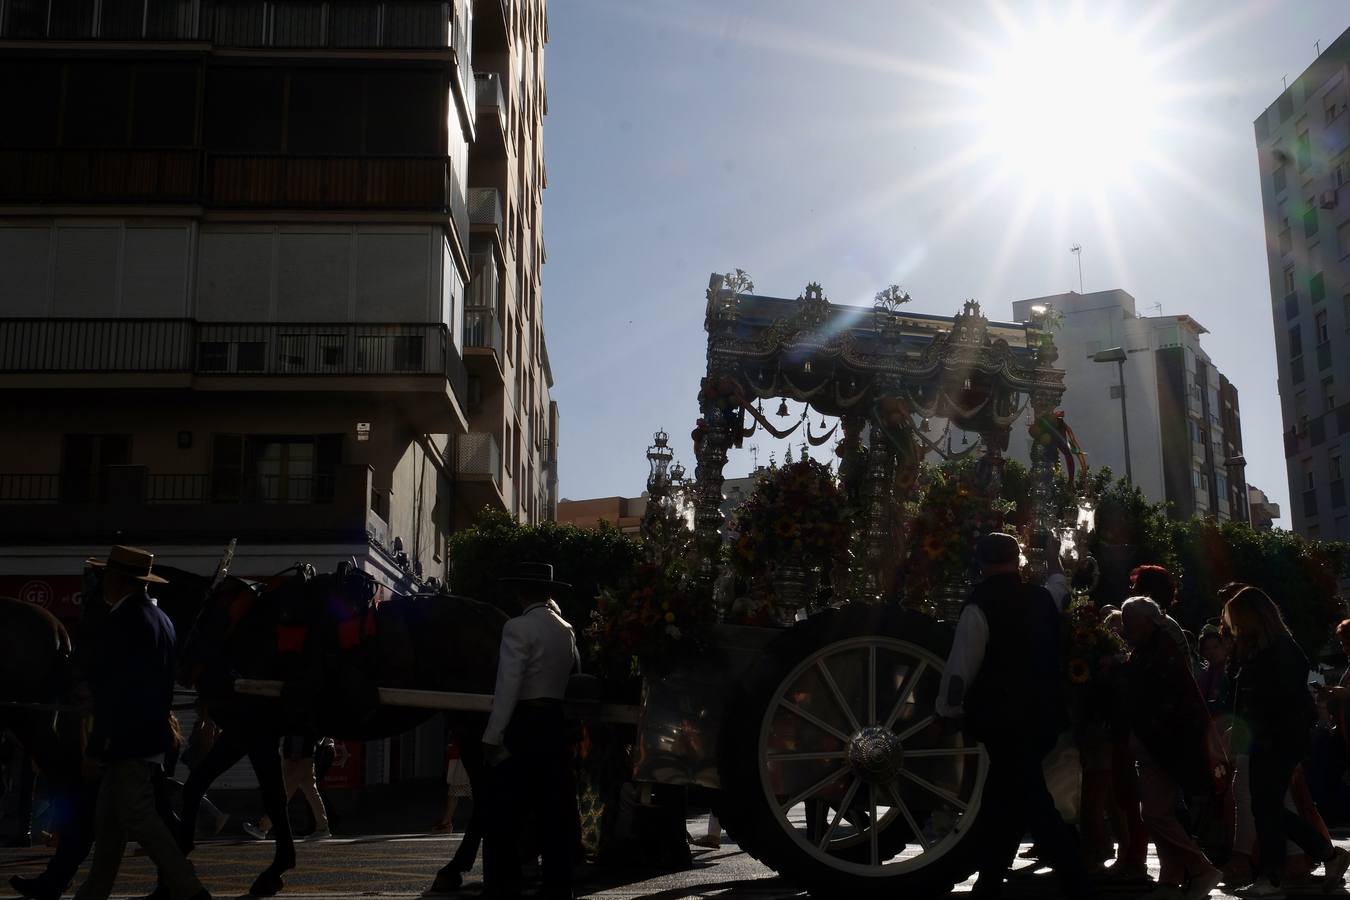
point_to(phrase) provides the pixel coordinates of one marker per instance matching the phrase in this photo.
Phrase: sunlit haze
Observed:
(958, 149)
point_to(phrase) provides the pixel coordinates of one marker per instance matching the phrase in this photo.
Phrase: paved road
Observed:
(402, 866)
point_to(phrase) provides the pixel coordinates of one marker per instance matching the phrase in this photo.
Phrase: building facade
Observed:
(271, 272)
(1184, 421)
(1263, 512)
(245, 295)
(1303, 155)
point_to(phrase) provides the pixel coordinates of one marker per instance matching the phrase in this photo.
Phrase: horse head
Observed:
(218, 614)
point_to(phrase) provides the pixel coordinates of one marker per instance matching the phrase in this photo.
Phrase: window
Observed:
(274, 468)
(1288, 280)
(1307, 476)
(1303, 151)
(320, 115)
(1310, 219)
(31, 113)
(1115, 392)
(1343, 238)
(1333, 107)
(1279, 179)
(244, 110)
(1317, 288)
(1328, 393)
(1323, 333)
(97, 100)
(1334, 466)
(84, 462)
(164, 106)
(1286, 238)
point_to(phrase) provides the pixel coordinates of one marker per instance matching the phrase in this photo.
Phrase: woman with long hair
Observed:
(1274, 715)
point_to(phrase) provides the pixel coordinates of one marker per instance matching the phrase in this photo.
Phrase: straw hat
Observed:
(133, 562)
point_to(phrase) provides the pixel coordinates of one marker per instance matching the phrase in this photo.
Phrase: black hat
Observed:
(532, 578)
(996, 549)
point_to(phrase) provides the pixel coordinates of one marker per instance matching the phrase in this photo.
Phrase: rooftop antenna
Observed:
(1077, 250)
(1158, 307)
(1284, 79)
(1318, 45)
(754, 457)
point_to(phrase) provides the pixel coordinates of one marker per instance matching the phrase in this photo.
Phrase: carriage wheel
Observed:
(835, 771)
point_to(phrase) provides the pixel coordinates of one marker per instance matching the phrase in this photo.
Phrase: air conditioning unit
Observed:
(1328, 199)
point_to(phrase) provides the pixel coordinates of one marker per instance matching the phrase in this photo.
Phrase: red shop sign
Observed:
(60, 595)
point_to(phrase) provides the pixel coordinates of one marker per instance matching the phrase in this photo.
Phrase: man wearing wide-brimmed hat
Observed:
(132, 678)
(527, 739)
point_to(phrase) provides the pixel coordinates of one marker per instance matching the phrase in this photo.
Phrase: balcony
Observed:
(327, 182)
(122, 500)
(236, 181)
(490, 104)
(483, 344)
(478, 471)
(1309, 504)
(485, 211)
(415, 365)
(100, 176)
(280, 24)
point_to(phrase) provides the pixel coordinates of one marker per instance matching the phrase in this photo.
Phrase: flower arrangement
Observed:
(649, 622)
(951, 515)
(797, 516)
(1091, 648)
(796, 512)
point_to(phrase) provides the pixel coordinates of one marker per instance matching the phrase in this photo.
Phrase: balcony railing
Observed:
(340, 24)
(327, 182)
(478, 453)
(100, 175)
(234, 348)
(136, 484)
(485, 207)
(119, 175)
(482, 329)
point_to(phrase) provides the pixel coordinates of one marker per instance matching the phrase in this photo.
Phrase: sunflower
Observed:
(1079, 671)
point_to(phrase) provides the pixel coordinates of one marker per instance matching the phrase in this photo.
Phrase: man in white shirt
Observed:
(527, 741)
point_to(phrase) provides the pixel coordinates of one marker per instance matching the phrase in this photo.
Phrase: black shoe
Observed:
(34, 888)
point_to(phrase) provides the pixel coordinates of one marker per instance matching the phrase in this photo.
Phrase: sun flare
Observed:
(1068, 105)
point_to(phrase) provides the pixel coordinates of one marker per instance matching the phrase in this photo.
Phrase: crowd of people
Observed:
(1210, 745)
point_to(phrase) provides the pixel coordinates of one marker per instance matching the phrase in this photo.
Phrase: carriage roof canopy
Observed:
(882, 372)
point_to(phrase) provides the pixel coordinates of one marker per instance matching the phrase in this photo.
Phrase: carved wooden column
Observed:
(716, 434)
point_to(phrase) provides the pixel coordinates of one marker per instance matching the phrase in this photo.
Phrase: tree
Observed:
(589, 560)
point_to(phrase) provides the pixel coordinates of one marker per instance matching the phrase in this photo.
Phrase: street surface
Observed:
(402, 866)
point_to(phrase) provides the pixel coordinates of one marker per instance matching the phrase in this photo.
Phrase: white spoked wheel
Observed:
(859, 787)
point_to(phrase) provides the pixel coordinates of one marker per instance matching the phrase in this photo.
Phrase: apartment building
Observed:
(1184, 421)
(1303, 156)
(271, 273)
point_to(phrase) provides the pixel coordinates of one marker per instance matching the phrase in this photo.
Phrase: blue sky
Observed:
(852, 144)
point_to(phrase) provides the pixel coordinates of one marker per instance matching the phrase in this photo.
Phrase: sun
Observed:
(1069, 105)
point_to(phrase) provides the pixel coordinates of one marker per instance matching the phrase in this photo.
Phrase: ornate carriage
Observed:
(821, 738)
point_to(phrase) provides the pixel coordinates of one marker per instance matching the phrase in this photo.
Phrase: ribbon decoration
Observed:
(817, 441)
(1057, 438)
(768, 426)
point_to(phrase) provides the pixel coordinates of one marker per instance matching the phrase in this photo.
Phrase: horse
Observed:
(427, 641)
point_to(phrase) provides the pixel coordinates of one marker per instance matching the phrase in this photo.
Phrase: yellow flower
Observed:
(1079, 671)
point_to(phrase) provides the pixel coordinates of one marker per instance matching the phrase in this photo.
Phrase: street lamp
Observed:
(1117, 355)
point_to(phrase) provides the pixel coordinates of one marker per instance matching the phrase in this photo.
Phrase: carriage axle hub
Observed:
(876, 755)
